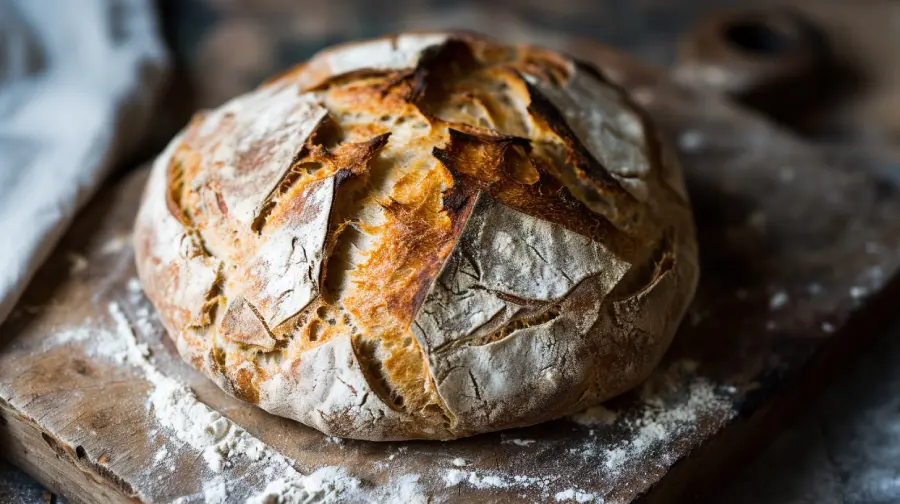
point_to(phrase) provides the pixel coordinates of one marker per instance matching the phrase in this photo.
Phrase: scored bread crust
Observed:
(425, 236)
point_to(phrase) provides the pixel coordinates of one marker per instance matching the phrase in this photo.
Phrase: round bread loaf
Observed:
(426, 236)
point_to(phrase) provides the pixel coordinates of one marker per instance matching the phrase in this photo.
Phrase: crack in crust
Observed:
(415, 237)
(342, 161)
(582, 173)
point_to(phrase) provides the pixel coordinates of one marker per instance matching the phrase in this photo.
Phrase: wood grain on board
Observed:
(796, 251)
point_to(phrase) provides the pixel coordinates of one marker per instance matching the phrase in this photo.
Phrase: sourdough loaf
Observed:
(426, 236)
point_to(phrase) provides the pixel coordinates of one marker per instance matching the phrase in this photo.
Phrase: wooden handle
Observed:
(761, 56)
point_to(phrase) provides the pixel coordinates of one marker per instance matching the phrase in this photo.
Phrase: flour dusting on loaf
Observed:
(425, 236)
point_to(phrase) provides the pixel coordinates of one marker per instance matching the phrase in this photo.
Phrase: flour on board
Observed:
(161, 455)
(498, 480)
(672, 404)
(325, 485)
(215, 491)
(662, 417)
(217, 438)
(405, 489)
(572, 495)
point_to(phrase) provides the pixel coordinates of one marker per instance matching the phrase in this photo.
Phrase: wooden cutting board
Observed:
(798, 252)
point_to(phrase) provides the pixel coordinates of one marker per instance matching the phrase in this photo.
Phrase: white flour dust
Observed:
(192, 425)
(161, 455)
(477, 479)
(486, 480)
(325, 485)
(673, 401)
(215, 491)
(673, 404)
(405, 489)
(572, 495)
(177, 408)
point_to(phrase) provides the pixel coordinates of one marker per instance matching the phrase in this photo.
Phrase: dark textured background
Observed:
(846, 448)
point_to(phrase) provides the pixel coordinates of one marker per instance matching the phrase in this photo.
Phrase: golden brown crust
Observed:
(422, 236)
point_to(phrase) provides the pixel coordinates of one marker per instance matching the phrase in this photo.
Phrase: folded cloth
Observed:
(77, 79)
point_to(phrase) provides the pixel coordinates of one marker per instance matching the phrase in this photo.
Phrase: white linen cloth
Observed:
(77, 79)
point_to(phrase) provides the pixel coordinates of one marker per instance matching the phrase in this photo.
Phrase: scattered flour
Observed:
(143, 321)
(215, 492)
(576, 496)
(405, 489)
(663, 417)
(129, 350)
(161, 454)
(493, 480)
(778, 300)
(454, 477)
(475, 479)
(144, 317)
(190, 424)
(65, 337)
(177, 408)
(218, 439)
(134, 287)
(325, 485)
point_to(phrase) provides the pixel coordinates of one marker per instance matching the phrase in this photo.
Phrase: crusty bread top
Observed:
(389, 202)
